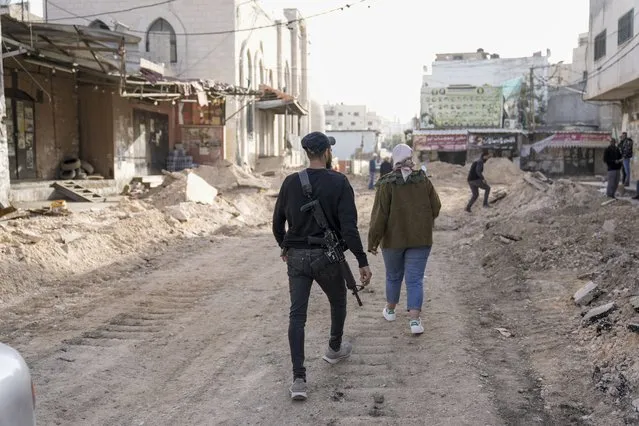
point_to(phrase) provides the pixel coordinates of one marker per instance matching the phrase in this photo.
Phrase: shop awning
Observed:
(282, 106)
(592, 140)
(441, 140)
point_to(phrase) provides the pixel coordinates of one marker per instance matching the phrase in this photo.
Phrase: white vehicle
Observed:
(17, 393)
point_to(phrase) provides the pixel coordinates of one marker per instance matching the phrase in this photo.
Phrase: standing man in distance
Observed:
(372, 169)
(477, 181)
(305, 261)
(627, 152)
(614, 160)
(385, 168)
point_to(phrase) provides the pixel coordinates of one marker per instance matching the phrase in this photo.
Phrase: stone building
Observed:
(613, 60)
(232, 41)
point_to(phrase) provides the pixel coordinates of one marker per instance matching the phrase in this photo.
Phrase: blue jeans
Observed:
(626, 167)
(371, 180)
(407, 263)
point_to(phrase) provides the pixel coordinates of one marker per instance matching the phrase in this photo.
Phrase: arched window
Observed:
(99, 25)
(262, 76)
(270, 78)
(159, 36)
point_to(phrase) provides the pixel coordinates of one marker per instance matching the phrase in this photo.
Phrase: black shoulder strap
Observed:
(307, 189)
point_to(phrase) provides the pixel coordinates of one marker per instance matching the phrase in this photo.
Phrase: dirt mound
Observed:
(501, 171)
(565, 234)
(227, 176)
(443, 171)
(40, 249)
(179, 188)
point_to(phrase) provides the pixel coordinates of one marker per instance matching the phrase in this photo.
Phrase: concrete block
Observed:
(199, 191)
(586, 294)
(599, 312)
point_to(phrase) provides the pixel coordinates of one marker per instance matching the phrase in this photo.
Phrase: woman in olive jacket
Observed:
(406, 206)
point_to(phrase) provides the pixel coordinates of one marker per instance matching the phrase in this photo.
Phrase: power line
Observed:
(206, 33)
(130, 9)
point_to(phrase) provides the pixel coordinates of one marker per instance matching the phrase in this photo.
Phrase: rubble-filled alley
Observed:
(163, 311)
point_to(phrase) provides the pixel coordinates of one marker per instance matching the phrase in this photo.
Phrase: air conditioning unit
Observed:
(510, 124)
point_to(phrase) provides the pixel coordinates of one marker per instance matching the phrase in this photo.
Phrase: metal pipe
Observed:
(53, 67)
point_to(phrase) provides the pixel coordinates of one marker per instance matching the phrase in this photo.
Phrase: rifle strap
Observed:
(307, 189)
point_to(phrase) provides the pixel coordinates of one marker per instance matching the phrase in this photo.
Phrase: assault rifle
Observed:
(332, 245)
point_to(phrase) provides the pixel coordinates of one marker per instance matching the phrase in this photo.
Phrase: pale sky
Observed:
(373, 53)
(375, 56)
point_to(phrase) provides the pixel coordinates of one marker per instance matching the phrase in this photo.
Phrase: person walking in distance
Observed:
(614, 160)
(385, 168)
(372, 169)
(404, 212)
(627, 152)
(477, 181)
(307, 262)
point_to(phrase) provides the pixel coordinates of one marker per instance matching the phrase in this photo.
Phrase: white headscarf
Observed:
(403, 160)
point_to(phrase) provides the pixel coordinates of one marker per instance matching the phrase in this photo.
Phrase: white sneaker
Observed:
(416, 326)
(389, 314)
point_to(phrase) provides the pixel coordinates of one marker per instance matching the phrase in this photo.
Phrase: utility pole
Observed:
(5, 180)
(531, 106)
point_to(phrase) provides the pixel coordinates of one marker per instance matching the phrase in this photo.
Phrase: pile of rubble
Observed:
(184, 206)
(560, 227)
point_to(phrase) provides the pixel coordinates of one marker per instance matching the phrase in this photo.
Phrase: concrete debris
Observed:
(198, 191)
(586, 294)
(69, 237)
(537, 184)
(504, 332)
(505, 240)
(633, 325)
(635, 404)
(178, 212)
(599, 312)
(30, 237)
(634, 302)
(227, 176)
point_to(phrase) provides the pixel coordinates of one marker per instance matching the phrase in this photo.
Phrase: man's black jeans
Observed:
(475, 186)
(301, 276)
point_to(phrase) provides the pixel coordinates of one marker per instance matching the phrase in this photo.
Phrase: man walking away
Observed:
(385, 168)
(613, 158)
(476, 181)
(626, 146)
(372, 168)
(307, 262)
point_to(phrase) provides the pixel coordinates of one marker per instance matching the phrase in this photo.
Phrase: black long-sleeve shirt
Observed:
(335, 195)
(612, 155)
(476, 171)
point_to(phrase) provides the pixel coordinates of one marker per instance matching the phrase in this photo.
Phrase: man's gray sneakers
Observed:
(333, 357)
(298, 390)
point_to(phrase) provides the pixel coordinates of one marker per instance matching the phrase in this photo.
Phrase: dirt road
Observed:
(196, 335)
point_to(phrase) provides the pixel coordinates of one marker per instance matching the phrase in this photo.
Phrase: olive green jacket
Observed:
(404, 213)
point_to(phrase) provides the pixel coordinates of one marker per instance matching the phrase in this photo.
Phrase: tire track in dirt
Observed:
(391, 378)
(202, 340)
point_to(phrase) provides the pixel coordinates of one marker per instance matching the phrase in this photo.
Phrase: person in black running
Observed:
(476, 181)
(306, 262)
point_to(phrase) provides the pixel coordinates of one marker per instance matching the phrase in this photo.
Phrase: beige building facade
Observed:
(613, 60)
(231, 41)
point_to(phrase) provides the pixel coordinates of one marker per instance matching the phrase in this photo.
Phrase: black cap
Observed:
(317, 142)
